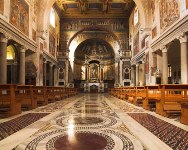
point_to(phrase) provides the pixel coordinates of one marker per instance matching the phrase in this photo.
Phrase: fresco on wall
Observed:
(169, 13)
(147, 64)
(19, 15)
(1, 6)
(153, 10)
(136, 44)
(154, 32)
(52, 44)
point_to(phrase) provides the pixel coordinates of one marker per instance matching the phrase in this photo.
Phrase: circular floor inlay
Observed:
(81, 141)
(87, 120)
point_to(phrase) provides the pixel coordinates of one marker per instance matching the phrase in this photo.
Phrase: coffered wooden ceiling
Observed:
(94, 8)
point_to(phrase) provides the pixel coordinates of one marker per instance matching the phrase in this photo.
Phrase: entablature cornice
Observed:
(17, 35)
(171, 34)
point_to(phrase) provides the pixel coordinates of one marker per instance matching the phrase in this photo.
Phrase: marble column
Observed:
(44, 73)
(86, 73)
(3, 59)
(184, 62)
(51, 75)
(165, 65)
(133, 76)
(22, 66)
(67, 73)
(121, 72)
(137, 74)
(116, 71)
(143, 73)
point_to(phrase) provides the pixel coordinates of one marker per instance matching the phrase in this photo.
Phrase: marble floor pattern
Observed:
(93, 122)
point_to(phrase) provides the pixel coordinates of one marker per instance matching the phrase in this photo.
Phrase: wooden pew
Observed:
(172, 95)
(40, 95)
(184, 113)
(153, 94)
(50, 94)
(140, 95)
(9, 106)
(25, 95)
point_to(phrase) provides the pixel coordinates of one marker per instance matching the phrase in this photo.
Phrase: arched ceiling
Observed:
(92, 47)
(94, 8)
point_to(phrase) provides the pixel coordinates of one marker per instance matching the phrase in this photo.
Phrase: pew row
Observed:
(16, 98)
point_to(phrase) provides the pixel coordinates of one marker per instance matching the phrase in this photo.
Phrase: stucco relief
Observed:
(169, 13)
(19, 15)
(1, 6)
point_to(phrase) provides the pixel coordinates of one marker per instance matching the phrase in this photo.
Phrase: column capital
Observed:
(51, 64)
(3, 38)
(182, 38)
(23, 49)
(164, 48)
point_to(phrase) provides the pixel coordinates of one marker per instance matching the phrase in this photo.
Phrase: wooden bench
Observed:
(25, 95)
(172, 95)
(9, 106)
(50, 94)
(153, 94)
(140, 95)
(40, 95)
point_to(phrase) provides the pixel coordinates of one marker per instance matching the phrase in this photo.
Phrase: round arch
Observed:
(47, 5)
(115, 46)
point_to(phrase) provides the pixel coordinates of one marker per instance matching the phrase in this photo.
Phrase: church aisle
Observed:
(96, 122)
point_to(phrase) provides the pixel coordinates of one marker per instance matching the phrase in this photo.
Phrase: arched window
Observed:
(52, 18)
(136, 16)
(10, 52)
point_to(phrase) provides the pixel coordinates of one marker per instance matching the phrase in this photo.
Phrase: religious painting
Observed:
(34, 37)
(169, 13)
(94, 71)
(136, 17)
(52, 44)
(19, 15)
(1, 6)
(147, 64)
(136, 44)
(153, 8)
(61, 73)
(154, 32)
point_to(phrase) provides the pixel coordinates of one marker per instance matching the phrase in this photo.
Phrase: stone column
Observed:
(121, 72)
(3, 59)
(86, 73)
(22, 66)
(116, 71)
(51, 74)
(67, 73)
(144, 74)
(165, 65)
(184, 65)
(133, 75)
(137, 74)
(44, 73)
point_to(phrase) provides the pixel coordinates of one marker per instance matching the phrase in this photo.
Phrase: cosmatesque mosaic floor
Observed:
(91, 122)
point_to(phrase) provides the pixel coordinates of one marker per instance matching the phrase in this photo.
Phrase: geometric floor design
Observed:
(9, 127)
(91, 122)
(173, 136)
